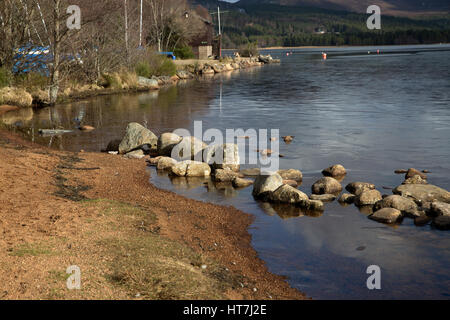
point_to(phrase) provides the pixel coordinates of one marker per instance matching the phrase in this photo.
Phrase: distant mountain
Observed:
(391, 7)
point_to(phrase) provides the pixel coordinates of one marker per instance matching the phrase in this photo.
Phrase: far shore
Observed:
(345, 46)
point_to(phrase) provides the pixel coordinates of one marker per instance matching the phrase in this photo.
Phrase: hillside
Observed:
(391, 7)
(279, 25)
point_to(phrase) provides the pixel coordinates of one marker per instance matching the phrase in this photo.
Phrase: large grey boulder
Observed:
(405, 205)
(291, 174)
(386, 215)
(423, 193)
(137, 136)
(357, 187)
(369, 197)
(223, 156)
(188, 148)
(266, 184)
(287, 194)
(326, 185)
(166, 142)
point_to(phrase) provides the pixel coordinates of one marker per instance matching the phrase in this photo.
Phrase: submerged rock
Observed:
(386, 215)
(358, 187)
(312, 205)
(265, 184)
(414, 172)
(369, 197)
(442, 223)
(336, 170)
(135, 137)
(241, 183)
(326, 185)
(253, 172)
(423, 193)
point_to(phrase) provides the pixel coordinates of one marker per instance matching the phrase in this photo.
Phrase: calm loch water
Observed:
(371, 113)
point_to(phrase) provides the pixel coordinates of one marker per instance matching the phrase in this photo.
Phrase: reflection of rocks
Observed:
(326, 185)
(386, 215)
(253, 172)
(287, 211)
(337, 170)
(366, 209)
(135, 137)
(21, 116)
(442, 223)
(187, 182)
(357, 187)
(224, 188)
(369, 197)
(323, 197)
(423, 192)
(241, 183)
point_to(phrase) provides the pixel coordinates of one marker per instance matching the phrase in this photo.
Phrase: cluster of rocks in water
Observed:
(207, 68)
(415, 198)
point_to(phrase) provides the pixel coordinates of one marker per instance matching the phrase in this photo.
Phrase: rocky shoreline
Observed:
(12, 98)
(415, 198)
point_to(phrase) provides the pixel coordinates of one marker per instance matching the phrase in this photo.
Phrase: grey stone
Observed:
(135, 137)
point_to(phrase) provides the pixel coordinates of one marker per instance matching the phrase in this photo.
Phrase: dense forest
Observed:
(274, 25)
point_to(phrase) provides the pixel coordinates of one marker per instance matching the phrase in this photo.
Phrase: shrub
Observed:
(112, 81)
(156, 65)
(249, 50)
(143, 69)
(31, 80)
(184, 53)
(5, 77)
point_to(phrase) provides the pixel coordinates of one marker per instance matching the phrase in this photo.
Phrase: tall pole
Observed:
(140, 28)
(220, 33)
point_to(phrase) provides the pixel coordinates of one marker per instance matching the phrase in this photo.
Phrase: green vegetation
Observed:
(31, 249)
(5, 77)
(184, 53)
(157, 65)
(274, 25)
(249, 50)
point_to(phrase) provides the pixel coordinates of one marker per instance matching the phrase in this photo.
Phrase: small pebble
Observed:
(204, 266)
